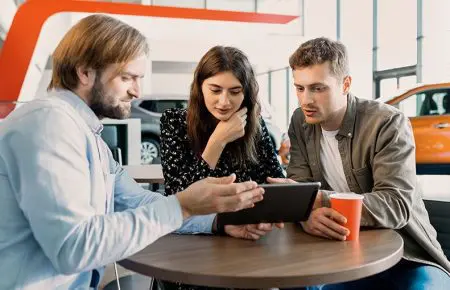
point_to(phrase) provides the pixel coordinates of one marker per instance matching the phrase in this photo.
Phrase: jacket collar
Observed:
(348, 124)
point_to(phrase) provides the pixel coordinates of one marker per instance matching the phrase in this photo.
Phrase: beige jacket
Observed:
(377, 148)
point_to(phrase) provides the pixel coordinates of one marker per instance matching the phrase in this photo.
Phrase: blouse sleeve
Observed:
(269, 164)
(181, 167)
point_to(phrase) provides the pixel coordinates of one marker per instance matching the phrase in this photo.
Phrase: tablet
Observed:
(283, 202)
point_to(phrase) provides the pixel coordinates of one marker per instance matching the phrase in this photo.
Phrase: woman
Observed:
(220, 133)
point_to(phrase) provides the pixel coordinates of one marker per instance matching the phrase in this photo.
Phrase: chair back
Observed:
(439, 212)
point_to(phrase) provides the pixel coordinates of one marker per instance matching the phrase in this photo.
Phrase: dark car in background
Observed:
(150, 108)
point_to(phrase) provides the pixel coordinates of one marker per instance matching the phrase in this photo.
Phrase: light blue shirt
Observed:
(66, 207)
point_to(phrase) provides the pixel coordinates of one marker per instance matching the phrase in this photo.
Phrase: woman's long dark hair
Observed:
(201, 123)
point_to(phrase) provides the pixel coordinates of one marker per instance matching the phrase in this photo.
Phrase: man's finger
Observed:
(318, 233)
(257, 198)
(222, 180)
(245, 186)
(331, 228)
(334, 226)
(238, 188)
(251, 194)
(240, 201)
(246, 199)
(337, 217)
(280, 180)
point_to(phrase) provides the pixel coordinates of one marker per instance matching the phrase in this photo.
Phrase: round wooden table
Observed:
(284, 258)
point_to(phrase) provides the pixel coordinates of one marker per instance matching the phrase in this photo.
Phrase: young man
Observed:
(67, 208)
(365, 147)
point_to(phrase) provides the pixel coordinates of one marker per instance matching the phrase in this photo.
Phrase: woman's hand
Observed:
(231, 129)
(225, 132)
(251, 232)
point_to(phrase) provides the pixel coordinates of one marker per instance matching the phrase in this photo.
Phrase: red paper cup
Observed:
(350, 206)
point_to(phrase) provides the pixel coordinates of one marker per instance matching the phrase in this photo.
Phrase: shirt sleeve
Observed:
(201, 224)
(181, 167)
(270, 166)
(128, 194)
(54, 191)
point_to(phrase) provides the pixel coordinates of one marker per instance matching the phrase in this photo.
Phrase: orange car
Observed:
(428, 107)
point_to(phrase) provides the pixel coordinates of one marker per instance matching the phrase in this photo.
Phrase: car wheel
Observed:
(150, 150)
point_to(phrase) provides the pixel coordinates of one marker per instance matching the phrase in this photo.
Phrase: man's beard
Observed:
(103, 105)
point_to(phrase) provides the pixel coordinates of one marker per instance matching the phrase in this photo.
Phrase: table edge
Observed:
(264, 282)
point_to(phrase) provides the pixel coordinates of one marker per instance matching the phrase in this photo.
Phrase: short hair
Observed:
(319, 51)
(95, 42)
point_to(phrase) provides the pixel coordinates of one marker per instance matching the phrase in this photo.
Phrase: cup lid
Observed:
(346, 196)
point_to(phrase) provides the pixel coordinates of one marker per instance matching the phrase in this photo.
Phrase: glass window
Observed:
(436, 102)
(411, 106)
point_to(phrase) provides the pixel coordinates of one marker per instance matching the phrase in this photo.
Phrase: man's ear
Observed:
(86, 76)
(347, 84)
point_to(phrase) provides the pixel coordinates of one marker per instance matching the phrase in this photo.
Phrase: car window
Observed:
(428, 103)
(159, 106)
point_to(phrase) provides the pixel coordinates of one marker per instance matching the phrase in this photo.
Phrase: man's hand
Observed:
(280, 180)
(250, 232)
(215, 195)
(326, 222)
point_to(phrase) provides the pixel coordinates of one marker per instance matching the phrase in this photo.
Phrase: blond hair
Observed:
(94, 42)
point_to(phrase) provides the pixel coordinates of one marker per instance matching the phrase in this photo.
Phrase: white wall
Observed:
(269, 46)
(37, 78)
(356, 35)
(7, 10)
(436, 43)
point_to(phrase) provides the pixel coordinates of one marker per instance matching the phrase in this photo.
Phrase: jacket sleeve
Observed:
(389, 204)
(298, 168)
(181, 166)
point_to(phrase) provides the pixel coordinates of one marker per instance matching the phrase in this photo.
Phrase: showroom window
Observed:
(429, 103)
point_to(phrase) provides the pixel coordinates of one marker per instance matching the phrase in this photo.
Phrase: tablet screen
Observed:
(283, 202)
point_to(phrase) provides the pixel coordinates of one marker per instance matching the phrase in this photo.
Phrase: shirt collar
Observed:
(81, 107)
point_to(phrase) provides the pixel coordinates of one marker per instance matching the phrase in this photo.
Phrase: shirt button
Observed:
(349, 134)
